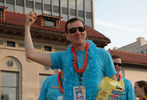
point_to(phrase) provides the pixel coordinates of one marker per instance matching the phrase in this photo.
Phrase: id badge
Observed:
(59, 97)
(79, 93)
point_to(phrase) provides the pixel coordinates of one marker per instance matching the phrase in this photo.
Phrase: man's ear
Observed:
(66, 35)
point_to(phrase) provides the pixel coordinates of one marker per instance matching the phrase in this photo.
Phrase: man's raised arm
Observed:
(39, 57)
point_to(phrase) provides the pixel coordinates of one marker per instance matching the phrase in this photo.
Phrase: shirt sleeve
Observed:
(57, 58)
(108, 65)
(130, 94)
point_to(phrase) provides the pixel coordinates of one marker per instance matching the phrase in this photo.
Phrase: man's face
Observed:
(76, 34)
(138, 91)
(117, 64)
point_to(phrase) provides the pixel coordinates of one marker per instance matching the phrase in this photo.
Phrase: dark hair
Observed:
(115, 56)
(143, 84)
(72, 20)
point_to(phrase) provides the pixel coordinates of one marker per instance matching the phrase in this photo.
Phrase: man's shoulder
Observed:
(102, 51)
(126, 81)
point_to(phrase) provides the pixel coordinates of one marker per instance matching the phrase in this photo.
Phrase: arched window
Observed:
(10, 78)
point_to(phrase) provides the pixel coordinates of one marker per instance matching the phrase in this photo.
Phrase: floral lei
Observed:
(91, 72)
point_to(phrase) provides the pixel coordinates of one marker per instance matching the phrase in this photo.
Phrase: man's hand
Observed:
(30, 18)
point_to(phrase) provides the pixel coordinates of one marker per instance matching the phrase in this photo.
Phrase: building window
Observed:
(47, 68)
(10, 44)
(1, 2)
(142, 52)
(88, 13)
(21, 44)
(9, 86)
(64, 9)
(49, 22)
(1, 42)
(19, 6)
(38, 6)
(72, 4)
(55, 7)
(47, 6)
(47, 48)
(29, 5)
(42, 79)
(81, 9)
(37, 46)
(10, 5)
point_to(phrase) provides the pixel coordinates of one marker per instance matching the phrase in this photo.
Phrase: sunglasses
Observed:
(74, 29)
(119, 64)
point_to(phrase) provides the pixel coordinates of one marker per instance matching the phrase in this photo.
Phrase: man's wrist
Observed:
(27, 26)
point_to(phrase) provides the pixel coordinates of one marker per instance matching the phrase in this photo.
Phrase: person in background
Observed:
(140, 89)
(128, 93)
(84, 65)
(52, 88)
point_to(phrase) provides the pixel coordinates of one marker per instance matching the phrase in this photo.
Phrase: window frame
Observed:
(11, 87)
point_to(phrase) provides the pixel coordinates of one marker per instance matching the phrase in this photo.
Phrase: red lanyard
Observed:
(59, 81)
(75, 59)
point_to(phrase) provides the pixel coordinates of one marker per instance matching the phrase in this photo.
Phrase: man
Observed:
(52, 88)
(83, 64)
(128, 93)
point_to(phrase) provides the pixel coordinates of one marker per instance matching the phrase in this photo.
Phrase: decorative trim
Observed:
(9, 63)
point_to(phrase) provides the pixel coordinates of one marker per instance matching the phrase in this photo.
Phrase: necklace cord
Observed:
(85, 60)
(60, 83)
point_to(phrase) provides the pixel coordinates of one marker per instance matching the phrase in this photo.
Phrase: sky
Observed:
(122, 21)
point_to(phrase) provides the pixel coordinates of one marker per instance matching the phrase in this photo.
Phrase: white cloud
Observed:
(99, 22)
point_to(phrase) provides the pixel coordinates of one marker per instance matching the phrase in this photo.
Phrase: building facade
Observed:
(66, 9)
(139, 47)
(20, 78)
